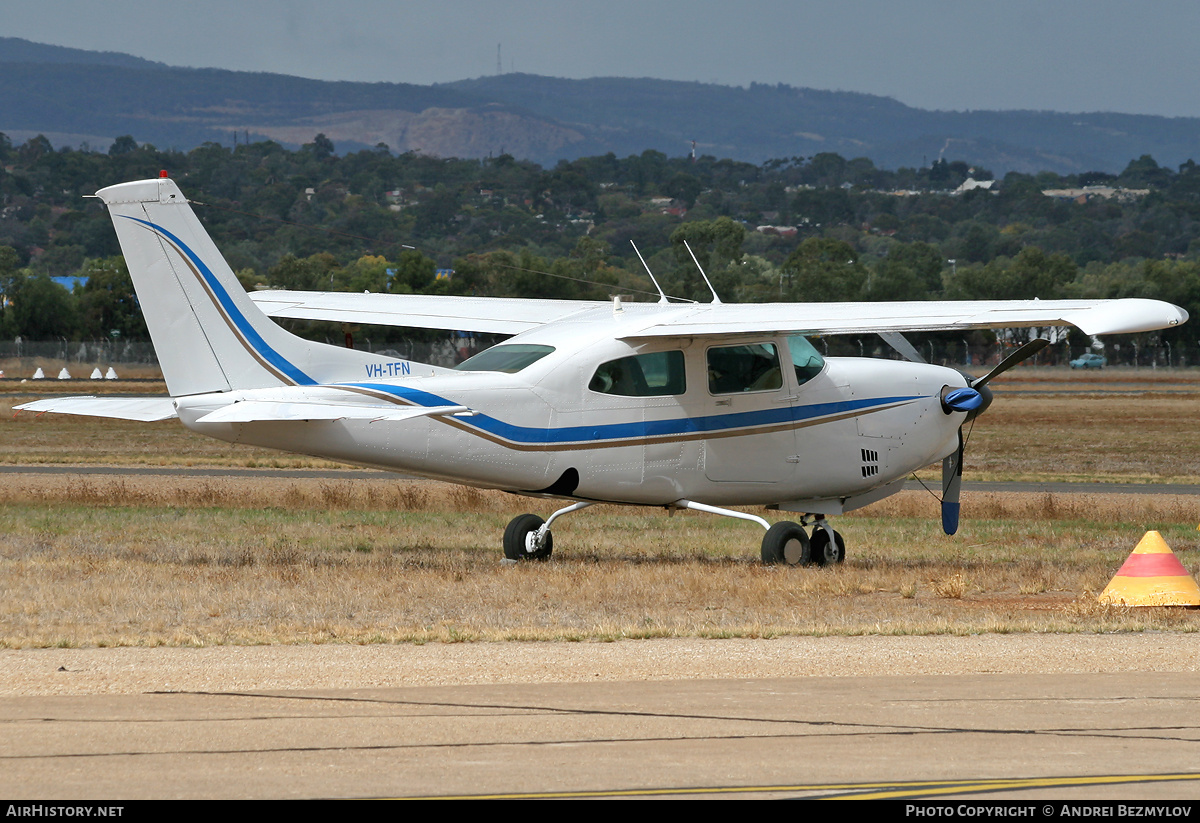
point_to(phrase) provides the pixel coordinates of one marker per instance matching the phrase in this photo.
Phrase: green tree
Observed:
(717, 244)
(413, 272)
(314, 273)
(123, 145)
(39, 308)
(321, 147)
(107, 303)
(823, 270)
(1032, 274)
(911, 271)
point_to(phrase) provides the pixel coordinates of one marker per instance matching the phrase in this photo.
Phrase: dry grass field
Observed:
(168, 560)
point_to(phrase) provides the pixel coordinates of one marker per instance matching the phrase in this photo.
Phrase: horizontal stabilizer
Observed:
(146, 409)
(260, 411)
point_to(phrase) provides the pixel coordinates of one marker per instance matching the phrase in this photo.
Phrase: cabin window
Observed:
(643, 375)
(807, 362)
(748, 368)
(507, 358)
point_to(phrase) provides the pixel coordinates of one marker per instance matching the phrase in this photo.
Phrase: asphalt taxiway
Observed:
(1088, 726)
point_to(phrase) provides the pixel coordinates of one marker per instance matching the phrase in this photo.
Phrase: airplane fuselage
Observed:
(565, 426)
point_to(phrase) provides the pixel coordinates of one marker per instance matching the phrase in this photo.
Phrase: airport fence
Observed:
(452, 348)
(1122, 352)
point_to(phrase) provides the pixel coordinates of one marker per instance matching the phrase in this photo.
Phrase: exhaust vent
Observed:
(870, 459)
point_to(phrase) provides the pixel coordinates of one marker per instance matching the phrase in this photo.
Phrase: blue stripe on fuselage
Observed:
(718, 423)
(225, 304)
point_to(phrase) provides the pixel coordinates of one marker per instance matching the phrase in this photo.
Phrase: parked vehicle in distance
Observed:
(1090, 361)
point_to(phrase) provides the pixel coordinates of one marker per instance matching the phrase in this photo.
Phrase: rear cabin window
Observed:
(642, 375)
(507, 358)
(748, 368)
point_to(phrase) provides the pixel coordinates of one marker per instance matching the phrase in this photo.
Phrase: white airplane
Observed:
(673, 405)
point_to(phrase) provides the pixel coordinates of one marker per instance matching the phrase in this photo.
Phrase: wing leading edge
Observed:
(506, 315)
(1124, 316)
(498, 315)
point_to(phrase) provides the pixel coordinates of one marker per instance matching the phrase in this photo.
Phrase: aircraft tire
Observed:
(517, 534)
(785, 544)
(824, 554)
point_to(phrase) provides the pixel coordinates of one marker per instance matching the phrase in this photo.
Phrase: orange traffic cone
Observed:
(1152, 576)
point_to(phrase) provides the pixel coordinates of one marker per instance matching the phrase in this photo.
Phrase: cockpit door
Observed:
(749, 418)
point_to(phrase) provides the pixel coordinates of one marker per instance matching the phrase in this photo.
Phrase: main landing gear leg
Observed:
(785, 543)
(528, 536)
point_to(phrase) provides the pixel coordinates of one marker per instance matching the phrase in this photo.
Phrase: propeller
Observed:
(974, 399)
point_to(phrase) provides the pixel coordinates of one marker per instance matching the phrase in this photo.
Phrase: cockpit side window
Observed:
(642, 375)
(507, 358)
(747, 368)
(807, 362)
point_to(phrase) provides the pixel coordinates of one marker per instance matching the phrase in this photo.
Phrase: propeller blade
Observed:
(1028, 350)
(951, 485)
(973, 400)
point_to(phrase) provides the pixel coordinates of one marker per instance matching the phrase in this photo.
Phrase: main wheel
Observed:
(520, 539)
(785, 544)
(825, 552)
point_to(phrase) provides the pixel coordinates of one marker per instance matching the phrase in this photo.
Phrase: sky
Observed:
(1061, 55)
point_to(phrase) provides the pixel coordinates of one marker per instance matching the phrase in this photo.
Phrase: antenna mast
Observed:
(662, 296)
(716, 298)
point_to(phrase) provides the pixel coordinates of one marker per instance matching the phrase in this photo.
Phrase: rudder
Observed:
(209, 336)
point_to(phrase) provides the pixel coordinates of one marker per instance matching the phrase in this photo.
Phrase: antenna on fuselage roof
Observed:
(716, 297)
(662, 295)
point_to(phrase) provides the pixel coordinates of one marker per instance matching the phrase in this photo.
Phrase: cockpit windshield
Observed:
(508, 358)
(807, 361)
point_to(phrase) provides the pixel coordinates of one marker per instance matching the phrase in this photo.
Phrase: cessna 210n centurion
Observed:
(675, 405)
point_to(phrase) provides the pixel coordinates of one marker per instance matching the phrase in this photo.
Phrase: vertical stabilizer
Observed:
(208, 334)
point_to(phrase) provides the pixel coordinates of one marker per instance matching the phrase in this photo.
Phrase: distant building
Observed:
(970, 184)
(1086, 193)
(778, 231)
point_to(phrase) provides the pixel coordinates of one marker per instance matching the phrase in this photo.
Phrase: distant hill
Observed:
(73, 96)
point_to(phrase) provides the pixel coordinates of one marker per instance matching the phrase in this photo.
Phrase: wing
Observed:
(1090, 316)
(499, 315)
(507, 315)
(146, 409)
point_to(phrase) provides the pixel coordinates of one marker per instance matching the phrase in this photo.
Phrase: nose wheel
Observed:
(827, 546)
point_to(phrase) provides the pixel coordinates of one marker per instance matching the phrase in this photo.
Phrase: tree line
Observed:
(817, 228)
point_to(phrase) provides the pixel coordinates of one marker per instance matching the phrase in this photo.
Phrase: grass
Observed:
(200, 563)
(189, 561)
